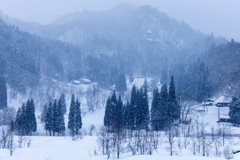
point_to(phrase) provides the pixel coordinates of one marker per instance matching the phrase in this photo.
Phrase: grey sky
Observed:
(222, 17)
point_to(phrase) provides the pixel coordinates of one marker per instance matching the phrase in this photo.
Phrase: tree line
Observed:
(135, 115)
(25, 123)
(53, 117)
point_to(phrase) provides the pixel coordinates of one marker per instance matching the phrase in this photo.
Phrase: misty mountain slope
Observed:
(28, 57)
(223, 62)
(30, 27)
(135, 36)
(132, 35)
(128, 25)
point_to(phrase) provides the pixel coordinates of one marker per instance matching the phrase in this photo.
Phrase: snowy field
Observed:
(63, 148)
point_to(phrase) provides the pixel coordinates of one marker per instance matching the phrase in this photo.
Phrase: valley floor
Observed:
(63, 148)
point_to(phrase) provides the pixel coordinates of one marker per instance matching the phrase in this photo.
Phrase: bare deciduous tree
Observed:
(91, 129)
(203, 137)
(171, 138)
(101, 140)
(93, 98)
(11, 145)
(228, 154)
(187, 107)
(4, 136)
(7, 115)
(217, 145)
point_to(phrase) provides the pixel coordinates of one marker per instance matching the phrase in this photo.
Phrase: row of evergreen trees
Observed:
(165, 110)
(133, 115)
(74, 117)
(137, 111)
(54, 120)
(25, 123)
(53, 116)
(113, 118)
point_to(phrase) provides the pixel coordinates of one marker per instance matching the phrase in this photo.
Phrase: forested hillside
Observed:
(223, 62)
(125, 40)
(141, 38)
(28, 57)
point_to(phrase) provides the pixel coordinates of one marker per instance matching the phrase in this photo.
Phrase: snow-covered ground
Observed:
(63, 148)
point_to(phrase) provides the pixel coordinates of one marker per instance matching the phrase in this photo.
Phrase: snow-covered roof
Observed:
(85, 80)
(222, 99)
(76, 82)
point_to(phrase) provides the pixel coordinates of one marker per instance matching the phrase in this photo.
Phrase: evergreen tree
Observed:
(113, 111)
(33, 117)
(139, 110)
(72, 116)
(31, 124)
(145, 112)
(25, 122)
(55, 118)
(126, 111)
(28, 126)
(162, 113)
(145, 84)
(78, 120)
(173, 107)
(154, 110)
(19, 122)
(107, 113)
(48, 123)
(44, 114)
(119, 114)
(61, 122)
(132, 109)
(63, 103)
(159, 110)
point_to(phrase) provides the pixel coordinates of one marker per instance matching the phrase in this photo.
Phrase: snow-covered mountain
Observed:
(141, 39)
(125, 29)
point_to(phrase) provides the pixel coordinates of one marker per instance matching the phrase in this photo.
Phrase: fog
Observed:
(218, 16)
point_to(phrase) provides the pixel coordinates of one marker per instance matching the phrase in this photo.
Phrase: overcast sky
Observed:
(222, 17)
